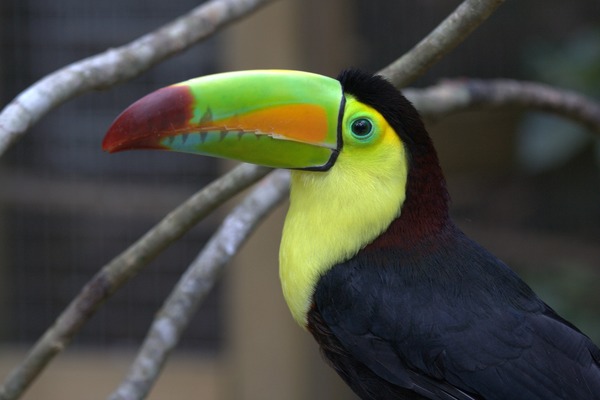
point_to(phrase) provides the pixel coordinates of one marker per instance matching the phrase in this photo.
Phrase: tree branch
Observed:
(115, 274)
(452, 96)
(192, 288)
(117, 65)
(443, 39)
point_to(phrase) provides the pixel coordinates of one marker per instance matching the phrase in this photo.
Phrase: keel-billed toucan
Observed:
(401, 302)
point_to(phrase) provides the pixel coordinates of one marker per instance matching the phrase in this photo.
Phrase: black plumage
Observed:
(423, 312)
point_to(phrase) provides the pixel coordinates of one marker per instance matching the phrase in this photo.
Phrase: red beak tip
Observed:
(110, 148)
(142, 124)
(114, 138)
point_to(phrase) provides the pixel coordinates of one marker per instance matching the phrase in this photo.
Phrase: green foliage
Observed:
(544, 141)
(574, 64)
(572, 291)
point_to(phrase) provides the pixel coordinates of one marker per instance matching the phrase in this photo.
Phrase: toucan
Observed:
(401, 302)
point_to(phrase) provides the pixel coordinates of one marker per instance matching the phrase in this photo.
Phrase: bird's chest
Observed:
(325, 226)
(393, 294)
(309, 247)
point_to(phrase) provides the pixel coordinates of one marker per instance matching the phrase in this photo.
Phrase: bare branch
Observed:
(443, 39)
(192, 288)
(115, 274)
(117, 65)
(452, 96)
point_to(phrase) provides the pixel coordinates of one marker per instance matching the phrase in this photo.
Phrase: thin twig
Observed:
(452, 96)
(115, 274)
(195, 284)
(117, 65)
(443, 39)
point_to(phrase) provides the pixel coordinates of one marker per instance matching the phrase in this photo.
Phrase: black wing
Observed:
(454, 324)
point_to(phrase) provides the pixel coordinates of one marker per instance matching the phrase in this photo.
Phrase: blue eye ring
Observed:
(362, 128)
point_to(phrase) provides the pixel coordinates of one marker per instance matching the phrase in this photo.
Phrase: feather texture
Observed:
(423, 312)
(453, 319)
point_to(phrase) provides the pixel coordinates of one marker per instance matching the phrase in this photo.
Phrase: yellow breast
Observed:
(334, 214)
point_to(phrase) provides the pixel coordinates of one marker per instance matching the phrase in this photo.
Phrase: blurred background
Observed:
(525, 185)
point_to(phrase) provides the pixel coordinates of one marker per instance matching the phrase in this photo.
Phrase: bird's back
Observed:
(447, 320)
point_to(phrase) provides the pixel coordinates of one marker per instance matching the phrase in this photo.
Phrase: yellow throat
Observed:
(334, 214)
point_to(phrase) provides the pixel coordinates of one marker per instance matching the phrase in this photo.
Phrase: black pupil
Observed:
(361, 127)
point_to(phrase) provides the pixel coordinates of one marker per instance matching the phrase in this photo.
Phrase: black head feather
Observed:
(377, 92)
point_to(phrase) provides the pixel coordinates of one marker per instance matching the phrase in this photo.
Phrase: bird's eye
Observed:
(361, 128)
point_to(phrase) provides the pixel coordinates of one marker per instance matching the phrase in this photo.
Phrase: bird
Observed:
(402, 303)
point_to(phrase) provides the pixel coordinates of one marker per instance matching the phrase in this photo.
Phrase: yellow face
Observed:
(287, 119)
(334, 214)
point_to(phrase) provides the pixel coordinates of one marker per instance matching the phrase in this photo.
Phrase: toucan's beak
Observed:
(282, 119)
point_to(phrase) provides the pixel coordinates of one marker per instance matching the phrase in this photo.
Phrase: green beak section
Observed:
(280, 119)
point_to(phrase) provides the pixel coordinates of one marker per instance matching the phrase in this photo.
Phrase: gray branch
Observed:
(452, 96)
(117, 65)
(195, 284)
(443, 39)
(122, 268)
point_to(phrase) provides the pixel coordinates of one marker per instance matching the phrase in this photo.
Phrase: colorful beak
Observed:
(280, 119)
